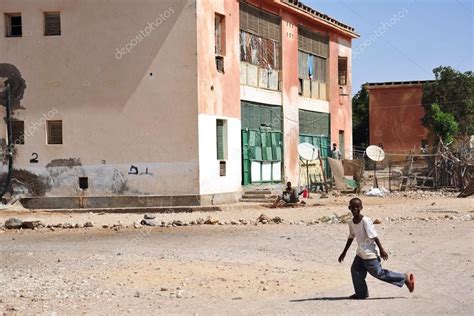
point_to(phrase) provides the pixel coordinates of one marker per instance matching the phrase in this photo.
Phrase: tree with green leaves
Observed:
(443, 123)
(449, 103)
(360, 118)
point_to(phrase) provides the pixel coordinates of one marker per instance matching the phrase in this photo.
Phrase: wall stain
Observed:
(71, 162)
(119, 183)
(10, 74)
(35, 185)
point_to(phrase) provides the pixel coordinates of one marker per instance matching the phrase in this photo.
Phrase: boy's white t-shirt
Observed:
(364, 232)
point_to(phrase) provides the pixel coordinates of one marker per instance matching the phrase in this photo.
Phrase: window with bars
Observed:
(55, 132)
(259, 22)
(256, 116)
(13, 25)
(221, 139)
(313, 43)
(260, 33)
(342, 70)
(52, 24)
(18, 132)
(313, 123)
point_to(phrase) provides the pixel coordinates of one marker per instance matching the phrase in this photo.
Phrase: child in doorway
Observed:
(369, 251)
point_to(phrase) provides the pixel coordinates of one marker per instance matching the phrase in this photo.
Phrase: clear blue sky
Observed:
(426, 34)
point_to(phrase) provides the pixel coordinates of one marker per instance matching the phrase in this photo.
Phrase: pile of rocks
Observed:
(423, 195)
(466, 217)
(15, 223)
(336, 219)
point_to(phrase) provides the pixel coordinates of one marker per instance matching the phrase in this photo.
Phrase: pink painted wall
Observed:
(395, 114)
(290, 96)
(218, 93)
(340, 104)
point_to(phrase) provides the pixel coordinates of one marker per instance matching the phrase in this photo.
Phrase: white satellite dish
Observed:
(308, 151)
(375, 153)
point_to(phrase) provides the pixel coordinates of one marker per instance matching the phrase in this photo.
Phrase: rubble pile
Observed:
(423, 195)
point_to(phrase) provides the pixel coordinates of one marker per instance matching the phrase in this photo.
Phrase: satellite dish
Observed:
(375, 153)
(308, 151)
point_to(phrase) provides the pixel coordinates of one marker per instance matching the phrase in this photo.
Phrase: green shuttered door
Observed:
(261, 139)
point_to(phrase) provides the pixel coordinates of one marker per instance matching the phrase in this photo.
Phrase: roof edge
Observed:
(396, 83)
(321, 17)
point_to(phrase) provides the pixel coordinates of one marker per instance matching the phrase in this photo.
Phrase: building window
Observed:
(52, 24)
(260, 49)
(222, 168)
(83, 183)
(55, 132)
(313, 51)
(341, 143)
(219, 34)
(18, 132)
(221, 136)
(219, 38)
(13, 25)
(342, 70)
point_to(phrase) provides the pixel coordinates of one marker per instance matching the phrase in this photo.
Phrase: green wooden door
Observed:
(262, 147)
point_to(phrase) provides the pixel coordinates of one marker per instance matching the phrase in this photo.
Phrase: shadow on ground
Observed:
(342, 298)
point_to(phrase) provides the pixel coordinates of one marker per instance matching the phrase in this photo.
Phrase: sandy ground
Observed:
(264, 269)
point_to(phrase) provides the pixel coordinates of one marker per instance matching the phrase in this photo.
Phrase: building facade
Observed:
(183, 100)
(395, 113)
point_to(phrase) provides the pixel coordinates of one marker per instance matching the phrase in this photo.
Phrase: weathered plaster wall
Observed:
(395, 117)
(119, 108)
(340, 103)
(290, 97)
(218, 96)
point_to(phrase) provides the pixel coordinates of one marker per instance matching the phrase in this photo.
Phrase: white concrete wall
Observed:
(209, 179)
(313, 105)
(258, 95)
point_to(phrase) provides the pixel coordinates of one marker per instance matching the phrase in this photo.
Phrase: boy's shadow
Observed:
(342, 298)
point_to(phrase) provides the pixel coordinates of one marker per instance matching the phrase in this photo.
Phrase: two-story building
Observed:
(181, 101)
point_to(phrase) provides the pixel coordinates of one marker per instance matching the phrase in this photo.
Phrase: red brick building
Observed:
(395, 114)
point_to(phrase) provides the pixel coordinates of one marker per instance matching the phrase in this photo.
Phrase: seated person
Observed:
(289, 196)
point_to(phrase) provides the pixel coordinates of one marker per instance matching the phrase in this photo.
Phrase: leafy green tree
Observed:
(360, 118)
(442, 123)
(453, 94)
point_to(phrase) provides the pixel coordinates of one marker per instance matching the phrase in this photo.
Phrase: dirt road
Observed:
(265, 269)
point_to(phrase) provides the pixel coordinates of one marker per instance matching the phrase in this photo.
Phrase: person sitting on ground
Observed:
(289, 196)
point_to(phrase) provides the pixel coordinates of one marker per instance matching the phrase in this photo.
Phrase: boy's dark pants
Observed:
(359, 270)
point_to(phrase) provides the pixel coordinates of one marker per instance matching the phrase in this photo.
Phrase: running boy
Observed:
(369, 251)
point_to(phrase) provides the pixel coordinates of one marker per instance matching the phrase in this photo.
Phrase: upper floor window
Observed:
(342, 70)
(13, 25)
(260, 37)
(313, 51)
(55, 132)
(219, 41)
(18, 132)
(52, 23)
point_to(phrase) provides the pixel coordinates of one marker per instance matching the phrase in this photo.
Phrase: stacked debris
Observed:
(449, 168)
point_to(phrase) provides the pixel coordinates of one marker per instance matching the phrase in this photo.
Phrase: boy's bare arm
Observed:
(343, 254)
(383, 254)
